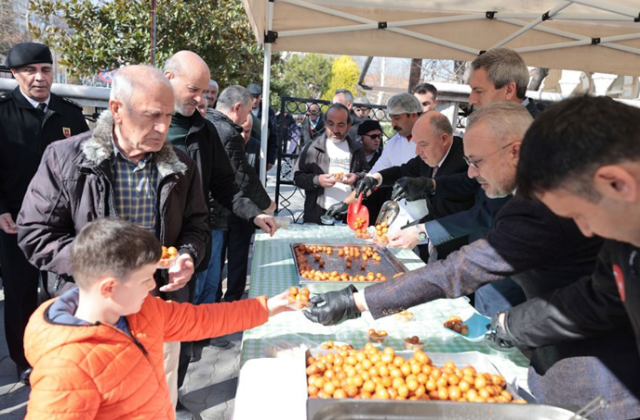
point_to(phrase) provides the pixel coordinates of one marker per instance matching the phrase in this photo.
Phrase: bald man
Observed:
(439, 153)
(189, 76)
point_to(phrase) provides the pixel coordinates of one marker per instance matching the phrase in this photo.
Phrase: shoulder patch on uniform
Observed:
(77, 105)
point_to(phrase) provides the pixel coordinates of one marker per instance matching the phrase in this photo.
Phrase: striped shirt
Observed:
(135, 189)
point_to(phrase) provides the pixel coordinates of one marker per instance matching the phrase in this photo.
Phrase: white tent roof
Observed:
(588, 35)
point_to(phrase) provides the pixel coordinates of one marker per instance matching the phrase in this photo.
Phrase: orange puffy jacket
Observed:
(99, 372)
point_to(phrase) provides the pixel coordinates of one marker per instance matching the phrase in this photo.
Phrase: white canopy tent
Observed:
(588, 35)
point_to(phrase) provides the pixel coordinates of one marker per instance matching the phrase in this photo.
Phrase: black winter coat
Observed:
(24, 135)
(246, 178)
(218, 178)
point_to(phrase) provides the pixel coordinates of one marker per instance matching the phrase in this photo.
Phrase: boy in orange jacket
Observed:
(97, 350)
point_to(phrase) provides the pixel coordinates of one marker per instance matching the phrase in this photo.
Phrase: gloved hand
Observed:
(501, 336)
(332, 308)
(337, 209)
(413, 188)
(365, 185)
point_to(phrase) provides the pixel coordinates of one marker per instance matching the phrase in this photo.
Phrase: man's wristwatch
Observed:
(421, 235)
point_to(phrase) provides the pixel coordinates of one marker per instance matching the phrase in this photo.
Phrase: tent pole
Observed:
(266, 86)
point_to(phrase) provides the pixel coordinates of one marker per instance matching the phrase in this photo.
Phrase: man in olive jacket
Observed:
(320, 159)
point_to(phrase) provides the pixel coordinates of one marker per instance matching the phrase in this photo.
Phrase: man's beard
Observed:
(180, 109)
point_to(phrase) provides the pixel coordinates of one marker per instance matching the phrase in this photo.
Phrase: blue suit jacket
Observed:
(475, 222)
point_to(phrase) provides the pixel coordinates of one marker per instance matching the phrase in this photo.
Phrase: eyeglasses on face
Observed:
(373, 136)
(474, 163)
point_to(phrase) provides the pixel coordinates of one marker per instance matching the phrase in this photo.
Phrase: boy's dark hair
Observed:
(424, 88)
(573, 138)
(111, 247)
(340, 106)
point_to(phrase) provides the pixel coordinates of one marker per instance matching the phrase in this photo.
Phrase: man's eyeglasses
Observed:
(374, 136)
(474, 163)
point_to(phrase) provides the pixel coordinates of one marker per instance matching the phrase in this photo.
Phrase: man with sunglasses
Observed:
(541, 251)
(370, 134)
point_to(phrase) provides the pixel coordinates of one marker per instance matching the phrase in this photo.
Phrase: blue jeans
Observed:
(208, 281)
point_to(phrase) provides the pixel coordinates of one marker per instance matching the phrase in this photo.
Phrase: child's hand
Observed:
(279, 303)
(179, 274)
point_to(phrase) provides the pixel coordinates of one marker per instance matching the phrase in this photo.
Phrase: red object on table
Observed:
(355, 211)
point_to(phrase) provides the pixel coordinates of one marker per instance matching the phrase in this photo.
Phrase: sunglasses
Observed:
(374, 136)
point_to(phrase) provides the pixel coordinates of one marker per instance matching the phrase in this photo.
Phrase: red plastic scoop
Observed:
(357, 211)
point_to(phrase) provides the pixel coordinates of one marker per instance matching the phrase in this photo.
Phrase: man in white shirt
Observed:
(329, 165)
(404, 110)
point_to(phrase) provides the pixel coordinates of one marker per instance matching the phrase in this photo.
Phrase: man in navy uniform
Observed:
(31, 118)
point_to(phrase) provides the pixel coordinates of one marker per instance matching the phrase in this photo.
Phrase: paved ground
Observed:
(209, 388)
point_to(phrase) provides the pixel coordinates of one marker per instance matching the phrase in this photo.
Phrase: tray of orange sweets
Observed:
(340, 263)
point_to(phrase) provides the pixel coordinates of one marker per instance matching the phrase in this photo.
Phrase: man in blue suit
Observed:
(539, 250)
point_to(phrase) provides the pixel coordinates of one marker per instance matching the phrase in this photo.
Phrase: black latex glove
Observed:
(502, 337)
(332, 308)
(337, 209)
(413, 188)
(365, 185)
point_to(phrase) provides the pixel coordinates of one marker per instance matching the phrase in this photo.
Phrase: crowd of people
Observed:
(524, 213)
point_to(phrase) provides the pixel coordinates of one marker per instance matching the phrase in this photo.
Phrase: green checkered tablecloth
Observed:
(273, 271)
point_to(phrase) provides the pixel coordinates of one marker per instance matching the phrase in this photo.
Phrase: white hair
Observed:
(127, 79)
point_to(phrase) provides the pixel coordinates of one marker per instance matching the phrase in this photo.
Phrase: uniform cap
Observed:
(28, 53)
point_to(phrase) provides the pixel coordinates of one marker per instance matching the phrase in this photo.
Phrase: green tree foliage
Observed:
(299, 75)
(306, 75)
(344, 75)
(92, 35)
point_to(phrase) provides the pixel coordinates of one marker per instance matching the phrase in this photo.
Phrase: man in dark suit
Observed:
(31, 118)
(497, 75)
(439, 154)
(312, 126)
(541, 251)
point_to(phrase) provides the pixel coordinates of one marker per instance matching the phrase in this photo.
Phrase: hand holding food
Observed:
(279, 303)
(298, 298)
(169, 256)
(179, 273)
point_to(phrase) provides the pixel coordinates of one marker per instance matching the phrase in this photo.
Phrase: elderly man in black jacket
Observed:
(31, 118)
(540, 251)
(232, 110)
